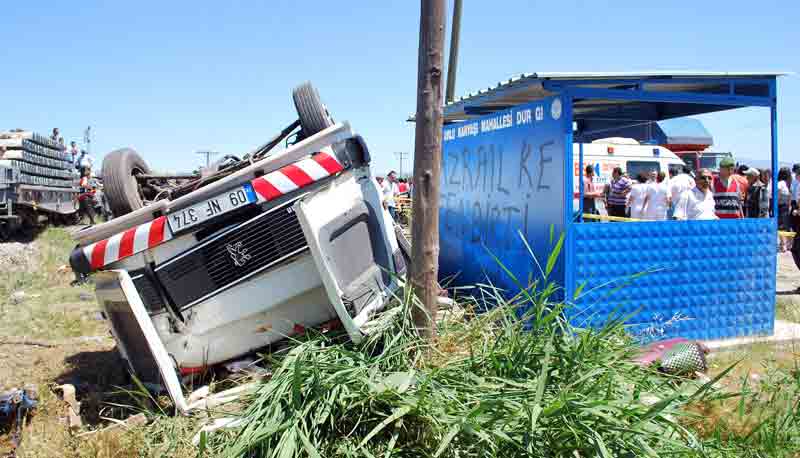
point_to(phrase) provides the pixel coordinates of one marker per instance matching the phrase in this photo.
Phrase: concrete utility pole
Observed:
(401, 156)
(452, 63)
(87, 139)
(427, 166)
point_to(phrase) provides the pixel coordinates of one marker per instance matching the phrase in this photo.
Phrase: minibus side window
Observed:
(634, 168)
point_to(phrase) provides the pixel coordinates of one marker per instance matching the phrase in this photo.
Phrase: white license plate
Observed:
(211, 208)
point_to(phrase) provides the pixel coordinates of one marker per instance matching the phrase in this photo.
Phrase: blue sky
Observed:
(171, 78)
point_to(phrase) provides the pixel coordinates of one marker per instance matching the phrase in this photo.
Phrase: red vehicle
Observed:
(703, 159)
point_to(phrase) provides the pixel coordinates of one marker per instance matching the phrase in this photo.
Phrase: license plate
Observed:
(211, 208)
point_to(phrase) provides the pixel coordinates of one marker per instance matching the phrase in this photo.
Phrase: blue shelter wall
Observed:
(503, 174)
(717, 277)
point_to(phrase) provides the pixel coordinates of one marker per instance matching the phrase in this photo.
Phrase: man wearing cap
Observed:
(698, 202)
(727, 194)
(757, 201)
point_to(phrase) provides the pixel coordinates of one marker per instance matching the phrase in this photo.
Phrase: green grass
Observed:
(550, 390)
(488, 386)
(51, 309)
(516, 381)
(763, 420)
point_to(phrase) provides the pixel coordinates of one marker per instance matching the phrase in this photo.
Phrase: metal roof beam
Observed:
(671, 97)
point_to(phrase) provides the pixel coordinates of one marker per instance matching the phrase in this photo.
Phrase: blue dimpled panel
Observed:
(717, 277)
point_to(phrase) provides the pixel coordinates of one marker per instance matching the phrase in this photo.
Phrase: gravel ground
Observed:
(787, 280)
(16, 255)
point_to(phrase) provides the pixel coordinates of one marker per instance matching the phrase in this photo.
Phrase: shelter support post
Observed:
(773, 124)
(569, 219)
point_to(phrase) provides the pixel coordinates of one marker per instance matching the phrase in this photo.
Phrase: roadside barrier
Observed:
(403, 209)
(611, 218)
(634, 220)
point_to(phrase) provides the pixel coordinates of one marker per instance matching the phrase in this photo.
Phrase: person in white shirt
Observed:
(795, 189)
(73, 149)
(85, 161)
(657, 199)
(784, 187)
(697, 203)
(679, 181)
(637, 196)
(390, 189)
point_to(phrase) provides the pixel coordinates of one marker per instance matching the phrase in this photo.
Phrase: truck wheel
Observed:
(120, 168)
(314, 117)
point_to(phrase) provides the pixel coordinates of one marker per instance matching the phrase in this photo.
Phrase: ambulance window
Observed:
(634, 168)
(675, 169)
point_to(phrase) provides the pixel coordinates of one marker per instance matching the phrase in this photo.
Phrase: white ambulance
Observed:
(607, 153)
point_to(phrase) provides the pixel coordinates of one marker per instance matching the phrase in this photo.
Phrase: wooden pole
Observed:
(427, 166)
(452, 64)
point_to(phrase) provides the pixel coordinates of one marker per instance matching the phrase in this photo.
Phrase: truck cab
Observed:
(292, 241)
(697, 160)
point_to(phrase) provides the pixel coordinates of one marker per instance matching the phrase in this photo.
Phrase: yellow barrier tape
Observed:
(611, 218)
(623, 219)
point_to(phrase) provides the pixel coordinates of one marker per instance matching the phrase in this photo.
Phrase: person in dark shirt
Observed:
(757, 201)
(618, 195)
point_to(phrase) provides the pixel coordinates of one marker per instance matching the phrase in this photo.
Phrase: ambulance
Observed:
(633, 157)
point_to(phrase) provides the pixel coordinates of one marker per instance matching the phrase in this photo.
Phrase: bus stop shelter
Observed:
(507, 196)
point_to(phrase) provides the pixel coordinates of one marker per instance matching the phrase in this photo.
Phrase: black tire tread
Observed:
(313, 115)
(118, 165)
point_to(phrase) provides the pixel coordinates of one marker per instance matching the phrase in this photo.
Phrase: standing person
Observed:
(784, 206)
(618, 193)
(679, 181)
(590, 192)
(56, 136)
(638, 196)
(757, 202)
(402, 186)
(86, 196)
(389, 189)
(73, 149)
(795, 192)
(766, 178)
(697, 203)
(741, 180)
(657, 199)
(85, 161)
(726, 192)
(795, 189)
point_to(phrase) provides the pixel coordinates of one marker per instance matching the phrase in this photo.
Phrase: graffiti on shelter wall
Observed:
(502, 175)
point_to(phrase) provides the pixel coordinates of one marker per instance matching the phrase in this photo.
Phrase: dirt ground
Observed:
(51, 333)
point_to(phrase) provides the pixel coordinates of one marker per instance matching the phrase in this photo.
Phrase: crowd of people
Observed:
(392, 187)
(738, 192)
(88, 193)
